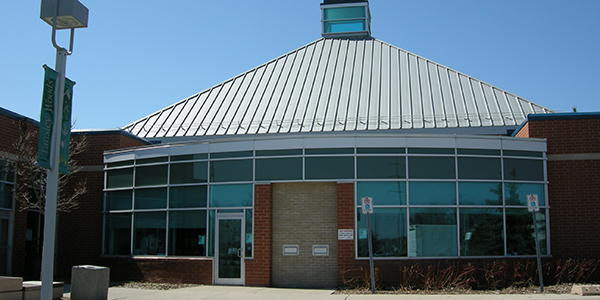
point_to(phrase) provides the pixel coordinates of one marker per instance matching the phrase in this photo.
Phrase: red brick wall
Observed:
(258, 270)
(573, 189)
(574, 197)
(345, 220)
(568, 136)
(11, 129)
(79, 234)
(172, 270)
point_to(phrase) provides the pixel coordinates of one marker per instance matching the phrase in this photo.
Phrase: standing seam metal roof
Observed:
(339, 85)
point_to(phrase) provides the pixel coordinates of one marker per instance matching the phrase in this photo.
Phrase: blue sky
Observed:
(138, 57)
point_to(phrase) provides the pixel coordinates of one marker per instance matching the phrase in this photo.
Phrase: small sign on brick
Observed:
(345, 234)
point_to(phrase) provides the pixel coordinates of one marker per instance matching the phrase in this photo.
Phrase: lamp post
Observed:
(60, 14)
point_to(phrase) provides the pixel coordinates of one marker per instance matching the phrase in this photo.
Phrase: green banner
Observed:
(46, 118)
(65, 130)
(47, 122)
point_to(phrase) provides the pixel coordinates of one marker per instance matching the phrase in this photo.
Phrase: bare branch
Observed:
(30, 186)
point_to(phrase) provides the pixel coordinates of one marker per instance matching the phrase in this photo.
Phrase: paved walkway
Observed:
(256, 293)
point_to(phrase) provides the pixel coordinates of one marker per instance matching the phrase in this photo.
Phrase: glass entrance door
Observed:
(230, 250)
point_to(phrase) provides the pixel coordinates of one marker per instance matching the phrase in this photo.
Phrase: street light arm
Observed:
(58, 48)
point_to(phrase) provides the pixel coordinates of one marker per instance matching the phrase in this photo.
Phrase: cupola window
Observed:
(345, 18)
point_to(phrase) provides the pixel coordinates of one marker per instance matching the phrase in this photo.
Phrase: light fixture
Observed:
(70, 14)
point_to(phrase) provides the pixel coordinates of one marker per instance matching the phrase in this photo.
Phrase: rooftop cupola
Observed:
(345, 18)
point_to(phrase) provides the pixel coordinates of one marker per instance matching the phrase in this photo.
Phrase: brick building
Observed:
(80, 231)
(258, 180)
(573, 164)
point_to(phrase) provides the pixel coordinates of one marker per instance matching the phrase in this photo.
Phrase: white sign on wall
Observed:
(345, 234)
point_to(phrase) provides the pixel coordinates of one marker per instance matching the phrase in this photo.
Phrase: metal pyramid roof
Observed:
(339, 85)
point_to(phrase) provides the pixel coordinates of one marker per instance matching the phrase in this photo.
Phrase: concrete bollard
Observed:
(89, 282)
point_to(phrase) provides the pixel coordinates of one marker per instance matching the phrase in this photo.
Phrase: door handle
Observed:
(240, 252)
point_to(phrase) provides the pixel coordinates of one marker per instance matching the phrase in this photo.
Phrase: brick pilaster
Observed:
(258, 270)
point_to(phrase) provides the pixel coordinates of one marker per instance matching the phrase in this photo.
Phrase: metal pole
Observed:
(52, 180)
(537, 249)
(371, 254)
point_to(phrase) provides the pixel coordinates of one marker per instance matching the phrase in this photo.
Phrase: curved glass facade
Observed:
(432, 196)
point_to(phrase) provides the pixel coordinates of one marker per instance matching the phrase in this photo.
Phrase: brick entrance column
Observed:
(258, 270)
(345, 220)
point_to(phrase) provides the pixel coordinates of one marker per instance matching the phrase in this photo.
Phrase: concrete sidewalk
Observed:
(256, 293)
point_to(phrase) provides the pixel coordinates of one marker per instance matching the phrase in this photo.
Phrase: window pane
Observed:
(432, 232)
(516, 193)
(480, 193)
(187, 233)
(231, 170)
(7, 171)
(152, 175)
(231, 195)
(151, 198)
(481, 232)
(431, 150)
(231, 154)
(520, 237)
(4, 262)
(211, 234)
(380, 150)
(383, 193)
(149, 233)
(329, 167)
(248, 251)
(279, 152)
(189, 157)
(523, 153)
(478, 152)
(279, 169)
(388, 230)
(150, 160)
(431, 167)
(119, 178)
(118, 200)
(189, 173)
(118, 234)
(432, 193)
(329, 151)
(479, 168)
(344, 13)
(523, 169)
(4, 233)
(345, 26)
(381, 167)
(120, 164)
(187, 196)
(6, 195)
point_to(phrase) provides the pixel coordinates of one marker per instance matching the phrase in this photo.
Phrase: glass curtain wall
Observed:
(165, 206)
(451, 203)
(429, 202)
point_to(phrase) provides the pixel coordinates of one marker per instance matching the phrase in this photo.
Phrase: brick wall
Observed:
(258, 269)
(568, 136)
(79, 234)
(13, 127)
(573, 189)
(172, 270)
(345, 220)
(574, 197)
(304, 214)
